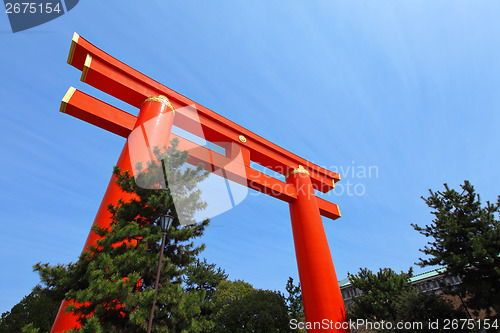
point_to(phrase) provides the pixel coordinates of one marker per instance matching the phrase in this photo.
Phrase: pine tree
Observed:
(294, 301)
(205, 277)
(38, 308)
(465, 239)
(112, 282)
(379, 293)
(390, 297)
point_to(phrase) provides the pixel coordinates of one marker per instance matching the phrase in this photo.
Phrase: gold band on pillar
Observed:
(162, 99)
(300, 169)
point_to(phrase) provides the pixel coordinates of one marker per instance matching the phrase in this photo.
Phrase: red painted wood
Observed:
(320, 288)
(100, 114)
(110, 118)
(66, 321)
(119, 80)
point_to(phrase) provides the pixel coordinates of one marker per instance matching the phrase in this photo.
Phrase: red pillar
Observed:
(323, 303)
(158, 131)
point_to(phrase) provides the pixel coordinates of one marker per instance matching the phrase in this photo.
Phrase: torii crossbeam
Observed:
(320, 288)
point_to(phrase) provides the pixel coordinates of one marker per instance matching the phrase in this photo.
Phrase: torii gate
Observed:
(320, 289)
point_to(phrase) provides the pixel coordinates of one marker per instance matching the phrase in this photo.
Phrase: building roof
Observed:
(422, 276)
(426, 275)
(344, 282)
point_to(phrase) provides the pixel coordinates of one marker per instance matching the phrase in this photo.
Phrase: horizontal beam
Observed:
(94, 111)
(112, 119)
(106, 73)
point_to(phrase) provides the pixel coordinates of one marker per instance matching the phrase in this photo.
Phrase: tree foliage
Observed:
(39, 308)
(466, 239)
(389, 296)
(205, 277)
(241, 308)
(294, 301)
(418, 307)
(262, 311)
(379, 293)
(112, 282)
(111, 285)
(229, 291)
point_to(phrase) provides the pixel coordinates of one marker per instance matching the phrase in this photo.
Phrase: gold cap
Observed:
(162, 99)
(300, 169)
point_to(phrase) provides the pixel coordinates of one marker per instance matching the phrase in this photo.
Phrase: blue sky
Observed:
(408, 88)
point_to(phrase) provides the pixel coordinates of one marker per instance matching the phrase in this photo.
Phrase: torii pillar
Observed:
(320, 288)
(154, 107)
(323, 303)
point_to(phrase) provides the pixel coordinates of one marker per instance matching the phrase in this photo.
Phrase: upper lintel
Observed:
(127, 84)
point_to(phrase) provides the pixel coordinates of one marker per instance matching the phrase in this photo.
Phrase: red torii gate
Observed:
(320, 289)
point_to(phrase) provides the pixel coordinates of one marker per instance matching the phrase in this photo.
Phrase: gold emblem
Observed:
(162, 99)
(242, 138)
(300, 169)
